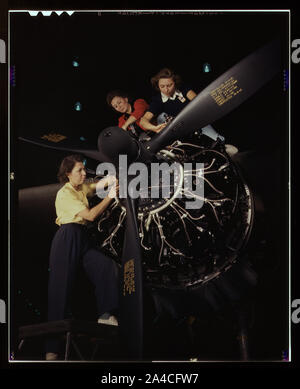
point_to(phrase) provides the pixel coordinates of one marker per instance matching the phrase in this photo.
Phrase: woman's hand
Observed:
(114, 190)
(159, 127)
(105, 182)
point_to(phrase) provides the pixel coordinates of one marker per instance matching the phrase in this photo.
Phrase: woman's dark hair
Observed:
(165, 73)
(67, 165)
(115, 93)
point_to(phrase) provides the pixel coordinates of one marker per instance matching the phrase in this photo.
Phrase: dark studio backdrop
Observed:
(118, 51)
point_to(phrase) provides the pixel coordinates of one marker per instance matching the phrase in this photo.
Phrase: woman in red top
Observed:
(131, 111)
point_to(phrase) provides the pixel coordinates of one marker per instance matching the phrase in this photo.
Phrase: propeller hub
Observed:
(114, 141)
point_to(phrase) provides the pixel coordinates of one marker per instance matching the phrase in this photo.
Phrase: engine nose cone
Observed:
(114, 141)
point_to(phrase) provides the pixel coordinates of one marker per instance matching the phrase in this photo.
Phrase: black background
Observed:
(111, 56)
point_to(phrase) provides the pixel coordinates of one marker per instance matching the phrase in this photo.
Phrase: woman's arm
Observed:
(93, 213)
(129, 121)
(145, 123)
(140, 106)
(104, 182)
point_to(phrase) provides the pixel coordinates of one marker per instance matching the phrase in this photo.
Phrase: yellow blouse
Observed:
(69, 202)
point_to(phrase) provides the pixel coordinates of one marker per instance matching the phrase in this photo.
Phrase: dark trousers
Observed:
(70, 250)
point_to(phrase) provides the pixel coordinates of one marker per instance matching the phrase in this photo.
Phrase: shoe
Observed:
(231, 150)
(51, 356)
(112, 321)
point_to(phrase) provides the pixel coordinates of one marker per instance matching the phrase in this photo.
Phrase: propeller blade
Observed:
(113, 142)
(222, 96)
(93, 154)
(131, 302)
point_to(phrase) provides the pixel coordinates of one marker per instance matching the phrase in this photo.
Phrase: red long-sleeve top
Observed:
(140, 106)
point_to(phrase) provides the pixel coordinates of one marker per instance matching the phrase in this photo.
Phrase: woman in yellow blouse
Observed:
(72, 248)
